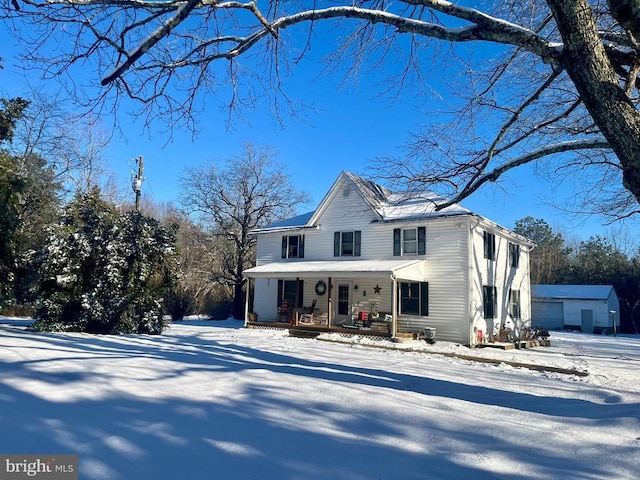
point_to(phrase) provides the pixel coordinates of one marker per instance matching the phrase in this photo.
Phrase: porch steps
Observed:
(302, 332)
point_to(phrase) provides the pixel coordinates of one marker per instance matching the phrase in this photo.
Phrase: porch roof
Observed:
(402, 269)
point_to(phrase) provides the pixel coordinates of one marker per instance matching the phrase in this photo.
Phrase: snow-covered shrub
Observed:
(103, 272)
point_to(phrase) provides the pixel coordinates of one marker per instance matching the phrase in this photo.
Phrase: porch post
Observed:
(246, 301)
(295, 311)
(329, 317)
(394, 306)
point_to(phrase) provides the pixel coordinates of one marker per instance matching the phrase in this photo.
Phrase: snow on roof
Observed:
(572, 292)
(413, 269)
(403, 206)
(388, 205)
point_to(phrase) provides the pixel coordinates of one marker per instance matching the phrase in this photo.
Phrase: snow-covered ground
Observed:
(211, 400)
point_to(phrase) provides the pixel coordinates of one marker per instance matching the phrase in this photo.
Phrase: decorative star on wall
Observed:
(377, 289)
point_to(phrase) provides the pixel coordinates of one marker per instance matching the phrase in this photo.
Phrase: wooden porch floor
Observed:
(311, 330)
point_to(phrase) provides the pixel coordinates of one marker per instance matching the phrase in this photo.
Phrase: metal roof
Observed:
(572, 292)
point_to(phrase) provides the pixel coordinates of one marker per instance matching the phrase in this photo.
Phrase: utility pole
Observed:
(136, 182)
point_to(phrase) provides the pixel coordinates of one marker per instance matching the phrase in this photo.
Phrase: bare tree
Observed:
(565, 85)
(72, 145)
(230, 199)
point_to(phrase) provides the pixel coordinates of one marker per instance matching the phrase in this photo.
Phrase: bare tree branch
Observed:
(493, 175)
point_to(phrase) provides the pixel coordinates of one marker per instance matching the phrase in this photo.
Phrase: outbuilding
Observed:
(589, 308)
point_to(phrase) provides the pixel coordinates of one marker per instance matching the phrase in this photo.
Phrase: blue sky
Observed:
(349, 127)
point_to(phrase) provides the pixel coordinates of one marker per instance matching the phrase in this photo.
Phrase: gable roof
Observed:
(387, 206)
(572, 292)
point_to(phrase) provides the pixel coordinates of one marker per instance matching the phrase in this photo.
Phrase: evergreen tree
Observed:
(12, 188)
(550, 258)
(103, 272)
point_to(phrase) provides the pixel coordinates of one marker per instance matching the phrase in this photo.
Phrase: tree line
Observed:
(77, 256)
(596, 261)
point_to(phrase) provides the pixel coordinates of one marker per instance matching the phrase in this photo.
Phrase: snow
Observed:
(214, 400)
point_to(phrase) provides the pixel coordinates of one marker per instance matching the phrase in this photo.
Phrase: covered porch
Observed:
(341, 295)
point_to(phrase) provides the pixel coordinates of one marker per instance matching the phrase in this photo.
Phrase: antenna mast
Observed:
(136, 182)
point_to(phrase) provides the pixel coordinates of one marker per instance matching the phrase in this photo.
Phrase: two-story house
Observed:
(368, 252)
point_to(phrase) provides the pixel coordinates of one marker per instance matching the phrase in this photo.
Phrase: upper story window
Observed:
(347, 244)
(293, 246)
(489, 245)
(514, 255)
(409, 241)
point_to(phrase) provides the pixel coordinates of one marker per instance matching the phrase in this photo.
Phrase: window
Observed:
(346, 244)
(489, 245)
(293, 246)
(514, 303)
(514, 255)
(409, 241)
(490, 301)
(292, 291)
(414, 298)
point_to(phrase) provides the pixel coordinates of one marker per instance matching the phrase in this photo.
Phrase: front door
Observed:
(343, 303)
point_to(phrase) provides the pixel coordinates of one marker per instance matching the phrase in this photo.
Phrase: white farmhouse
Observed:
(368, 258)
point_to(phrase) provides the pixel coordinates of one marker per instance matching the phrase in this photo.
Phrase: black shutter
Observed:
(284, 246)
(280, 291)
(422, 240)
(301, 247)
(424, 299)
(336, 244)
(356, 243)
(396, 242)
(485, 244)
(300, 293)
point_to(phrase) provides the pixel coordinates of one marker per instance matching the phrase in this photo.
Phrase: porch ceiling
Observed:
(402, 269)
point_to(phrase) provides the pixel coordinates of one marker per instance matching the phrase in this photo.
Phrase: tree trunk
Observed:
(589, 67)
(238, 304)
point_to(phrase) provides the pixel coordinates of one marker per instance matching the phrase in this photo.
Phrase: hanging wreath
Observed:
(321, 287)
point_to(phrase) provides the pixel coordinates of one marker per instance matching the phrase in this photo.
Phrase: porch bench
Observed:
(311, 319)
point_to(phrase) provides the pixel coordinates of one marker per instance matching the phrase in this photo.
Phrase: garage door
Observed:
(548, 315)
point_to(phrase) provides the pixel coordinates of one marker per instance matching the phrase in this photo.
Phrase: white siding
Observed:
(447, 275)
(500, 274)
(264, 299)
(601, 316)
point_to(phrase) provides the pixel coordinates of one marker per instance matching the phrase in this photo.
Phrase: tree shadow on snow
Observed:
(259, 432)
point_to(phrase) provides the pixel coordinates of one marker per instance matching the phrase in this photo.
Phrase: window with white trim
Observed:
(409, 241)
(514, 303)
(293, 246)
(347, 244)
